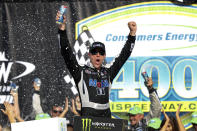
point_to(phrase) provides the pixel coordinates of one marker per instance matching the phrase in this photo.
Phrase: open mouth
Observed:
(97, 60)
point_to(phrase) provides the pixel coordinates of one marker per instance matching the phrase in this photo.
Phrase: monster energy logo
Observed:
(86, 123)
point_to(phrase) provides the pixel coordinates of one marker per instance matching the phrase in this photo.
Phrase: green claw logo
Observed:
(86, 124)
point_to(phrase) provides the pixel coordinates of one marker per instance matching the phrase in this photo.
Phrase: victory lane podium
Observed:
(50, 124)
(99, 124)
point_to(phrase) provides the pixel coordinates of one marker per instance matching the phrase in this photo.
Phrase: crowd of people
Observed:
(152, 121)
(13, 112)
(94, 82)
(137, 119)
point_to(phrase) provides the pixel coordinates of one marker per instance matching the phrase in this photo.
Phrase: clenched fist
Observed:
(133, 28)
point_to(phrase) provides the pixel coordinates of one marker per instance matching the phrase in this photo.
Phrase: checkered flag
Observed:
(81, 46)
(81, 49)
(70, 80)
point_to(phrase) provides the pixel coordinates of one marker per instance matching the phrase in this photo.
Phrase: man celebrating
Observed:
(139, 122)
(94, 80)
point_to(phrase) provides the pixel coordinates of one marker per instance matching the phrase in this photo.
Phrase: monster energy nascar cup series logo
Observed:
(88, 124)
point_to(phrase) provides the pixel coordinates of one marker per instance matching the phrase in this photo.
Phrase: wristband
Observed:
(37, 92)
(151, 90)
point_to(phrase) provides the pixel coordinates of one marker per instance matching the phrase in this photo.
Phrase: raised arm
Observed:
(125, 52)
(9, 111)
(73, 109)
(36, 100)
(179, 122)
(155, 106)
(16, 106)
(65, 109)
(166, 122)
(67, 52)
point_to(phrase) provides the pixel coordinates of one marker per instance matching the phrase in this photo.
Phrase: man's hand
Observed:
(9, 111)
(78, 103)
(149, 84)
(66, 105)
(179, 122)
(16, 106)
(14, 94)
(165, 126)
(133, 28)
(62, 26)
(36, 88)
(73, 109)
(65, 109)
(178, 110)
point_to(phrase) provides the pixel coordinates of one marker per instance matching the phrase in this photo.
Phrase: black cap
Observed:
(97, 45)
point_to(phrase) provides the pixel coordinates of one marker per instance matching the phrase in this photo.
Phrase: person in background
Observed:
(155, 123)
(77, 103)
(167, 121)
(12, 110)
(170, 123)
(9, 111)
(56, 110)
(36, 103)
(59, 111)
(75, 109)
(137, 119)
(179, 122)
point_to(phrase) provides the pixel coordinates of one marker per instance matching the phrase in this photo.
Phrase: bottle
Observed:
(62, 12)
(13, 86)
(145, 76)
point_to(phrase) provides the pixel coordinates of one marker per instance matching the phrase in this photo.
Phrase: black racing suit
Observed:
(94, 85)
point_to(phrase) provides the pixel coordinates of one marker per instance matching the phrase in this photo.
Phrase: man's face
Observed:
(97, 57)
(134, 119)
(56, 111)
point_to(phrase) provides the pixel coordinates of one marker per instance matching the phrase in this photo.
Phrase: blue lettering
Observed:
(149, 37)
(191, 37)
(160, 37)
(174, 37)
(115, 38)
(104, 83)
(181, 37)
(108, 38)
(92, 82)
(168, 36)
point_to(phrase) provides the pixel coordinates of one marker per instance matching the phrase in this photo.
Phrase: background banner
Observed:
(165, 48)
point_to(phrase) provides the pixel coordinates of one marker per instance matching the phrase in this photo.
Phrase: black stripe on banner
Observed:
(79, 39)
(88, 33)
